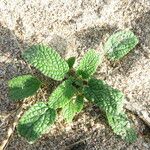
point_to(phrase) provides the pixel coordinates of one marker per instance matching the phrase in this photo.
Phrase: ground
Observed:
(72, 27)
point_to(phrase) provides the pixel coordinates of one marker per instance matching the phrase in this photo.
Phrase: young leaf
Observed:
(121, 126)
(71, 62)
(47, 61)
(108, 99)
(88, 64)
(69, 111)
(71, 108)
(23, 86)
(119, 44)
(36, 121)
(62, 95)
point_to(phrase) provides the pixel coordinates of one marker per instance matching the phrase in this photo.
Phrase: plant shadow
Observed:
(12, 64)
(91, 37)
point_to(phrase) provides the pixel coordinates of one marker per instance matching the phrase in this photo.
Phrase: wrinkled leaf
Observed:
(119, 44)
(72, 108)
(122, 126)
(47, 60)
(107, 98)
(23, 86)
(88, 64)
(36, 121)
(111, 102)
(69, 111)
(62, 94)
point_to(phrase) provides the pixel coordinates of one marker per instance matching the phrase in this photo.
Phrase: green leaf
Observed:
(111, 101)
(71, 62)
(23, 86)
(108, 99)
(88, 64)
(36, 121)
(119, 44)
(47, 61)
(72, 108)
(69, 111)
(79, 103)
(62, 95)
(122, 126)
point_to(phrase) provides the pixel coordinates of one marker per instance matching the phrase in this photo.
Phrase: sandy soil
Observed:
(72, 27)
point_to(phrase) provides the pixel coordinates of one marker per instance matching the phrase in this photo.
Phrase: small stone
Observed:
(146, 145)
(2, 73)
(68, 128)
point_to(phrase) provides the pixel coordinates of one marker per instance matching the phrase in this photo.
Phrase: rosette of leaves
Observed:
(77, 85)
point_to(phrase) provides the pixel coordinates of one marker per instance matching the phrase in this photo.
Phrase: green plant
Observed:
(77, 84)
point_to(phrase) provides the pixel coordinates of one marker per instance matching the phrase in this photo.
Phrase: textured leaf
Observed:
(23, 86)
(47, 61)
(69, 111)
(88, 64)
(71, 108)
(121, 126)
(62, 94)
(119, 44)
(71, 61)
(36, 121)
(108, 99)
